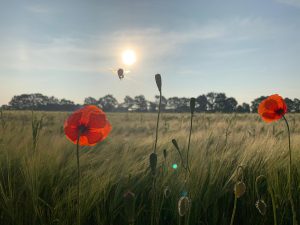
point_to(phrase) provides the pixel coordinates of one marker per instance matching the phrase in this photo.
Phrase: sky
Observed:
(70, 49)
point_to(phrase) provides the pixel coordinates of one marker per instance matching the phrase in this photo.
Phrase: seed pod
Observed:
(175, 144)
(183, 206)
(261, 207)
(153, 163)
(129, 206)
(167, 192)
(192, 105)
(165, 154)
(158, 81)
(239, 189)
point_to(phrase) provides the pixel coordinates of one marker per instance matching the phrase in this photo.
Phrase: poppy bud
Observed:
(129, 205)
(261, 207)
(183, 206)
(239, 189)
(158, 81)
(167, 192)
(165, 154)
(192, 105)
(175, 144)
(153, 163)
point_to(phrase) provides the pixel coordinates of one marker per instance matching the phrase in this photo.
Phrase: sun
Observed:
(128, 57)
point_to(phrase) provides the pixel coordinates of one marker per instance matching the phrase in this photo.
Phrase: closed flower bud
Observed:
(175, 144)
(239, 189)
(184, 206)
(153, 163)
(158, 81)
(165, 154)
(129, 206)
(192, 105)
(261, 207)
(167, 192)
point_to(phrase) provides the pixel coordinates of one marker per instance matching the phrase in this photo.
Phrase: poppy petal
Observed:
(271, 105)
(83, 141)
(74, 119)
(94, 137)
(96, 120)
(269, 117)
(71, 133)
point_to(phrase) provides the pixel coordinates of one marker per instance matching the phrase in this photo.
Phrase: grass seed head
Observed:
(165, 153)
(153, 163)
(167, 192)
(175, 144)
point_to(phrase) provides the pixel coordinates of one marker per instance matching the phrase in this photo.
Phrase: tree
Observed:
(211, 97)
(290, 105)
(220, 102)
(90, 101)
(164, 102)
(141, 103)
(244, 108)
(255, 103)
(201, 103)
(297, 105)
(108, 103)
(28, 101)
(230, 105)
(172, 104)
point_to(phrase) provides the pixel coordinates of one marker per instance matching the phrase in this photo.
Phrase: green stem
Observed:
(290, 174)
(187, 155)
(157, 122)
(78, 182)
(273, 206)
(153, 208)
(233, 211)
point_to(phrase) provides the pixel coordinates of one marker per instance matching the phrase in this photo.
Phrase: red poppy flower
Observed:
(89, 123)
(273, 108)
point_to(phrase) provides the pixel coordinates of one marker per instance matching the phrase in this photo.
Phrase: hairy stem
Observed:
(188, 151)
(78, 181)
(290, 174)
(157, 122)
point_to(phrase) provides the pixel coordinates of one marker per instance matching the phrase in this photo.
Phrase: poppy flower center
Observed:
(83, 129)
(279, 111)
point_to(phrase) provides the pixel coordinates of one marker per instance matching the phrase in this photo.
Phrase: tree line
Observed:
(211, 102)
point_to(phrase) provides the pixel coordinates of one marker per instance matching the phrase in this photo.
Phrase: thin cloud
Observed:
(95, 53)
(295, 3)
(39, 9)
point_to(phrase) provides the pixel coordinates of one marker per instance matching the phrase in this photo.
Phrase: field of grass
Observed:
(38, 185)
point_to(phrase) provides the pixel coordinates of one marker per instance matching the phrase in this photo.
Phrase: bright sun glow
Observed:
(128, 57)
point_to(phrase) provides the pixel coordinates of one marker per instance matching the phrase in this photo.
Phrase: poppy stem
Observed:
(290, 174)
(78, 181)
(189, 143)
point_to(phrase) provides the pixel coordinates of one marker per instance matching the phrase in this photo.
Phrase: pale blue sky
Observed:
(245, 48)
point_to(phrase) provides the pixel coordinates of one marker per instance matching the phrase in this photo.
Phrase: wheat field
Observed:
(38, 175)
